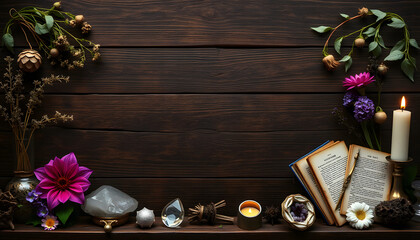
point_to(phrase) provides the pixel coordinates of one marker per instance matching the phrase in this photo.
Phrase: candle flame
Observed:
(403, 102)
(250, 210)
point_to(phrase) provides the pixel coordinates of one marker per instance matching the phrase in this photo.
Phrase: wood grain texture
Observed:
(216, 70)
(226, 23)
(193, 154)
(84, 230)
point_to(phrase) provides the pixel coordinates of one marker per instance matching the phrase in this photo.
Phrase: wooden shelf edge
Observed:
(85, 229)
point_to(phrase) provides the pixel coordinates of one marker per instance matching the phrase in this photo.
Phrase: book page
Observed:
(329, 168)
(303, 170)
(371, 180)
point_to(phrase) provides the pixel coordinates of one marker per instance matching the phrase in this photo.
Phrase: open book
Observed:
(322, 173)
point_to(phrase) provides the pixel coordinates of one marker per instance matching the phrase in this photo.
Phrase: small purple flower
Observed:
(41, 210)
(364, 109)
(349, 98)
(32, 196)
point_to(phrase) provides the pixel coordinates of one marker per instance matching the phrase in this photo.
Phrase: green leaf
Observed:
(396, 23)
(337, 44)
(413, 61)
(49, 21)
(394, 56)
(413, 43)
(378, 13)
(381, 41)
(37, 12)
(370, 32)
(344, 15)
(35, 222)
(399, 45)
(63, 212)
(41, 29)
(348, 64)
(372, 46)
(345, 58)
(322, 29)
(8, 41)
(408, 69)
(57, 14)
(377, 51)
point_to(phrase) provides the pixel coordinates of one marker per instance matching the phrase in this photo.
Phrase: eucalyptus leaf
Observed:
(378, 13)
(344, 15)
(41, 29)
(8, 41)
(381, 42)
(377, 51)
(49, 21)
(399, 45)
(408, 69)
(322, 29)
(370, 32)
(413, 43)
(372, 46)
(394, 56)
(413, 61)
(345, 58)
(348, 64)
(337, 44)
(396, 23)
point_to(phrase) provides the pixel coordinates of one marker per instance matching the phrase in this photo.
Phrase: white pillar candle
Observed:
(400, 133)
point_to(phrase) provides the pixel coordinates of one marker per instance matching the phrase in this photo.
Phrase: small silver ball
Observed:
(145, 218)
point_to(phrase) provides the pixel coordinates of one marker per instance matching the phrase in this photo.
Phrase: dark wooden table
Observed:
(86, 230)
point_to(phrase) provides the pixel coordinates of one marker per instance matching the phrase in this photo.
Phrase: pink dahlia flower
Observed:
(359, 80)
(62, 180)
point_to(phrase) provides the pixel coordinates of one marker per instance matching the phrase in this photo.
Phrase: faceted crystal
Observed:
(108, 201)
(173, 213)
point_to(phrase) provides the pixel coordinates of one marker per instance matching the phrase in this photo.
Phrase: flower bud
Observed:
(359, 42)
(363, 11)
(330, 62)
(380, 117)
(57, 5)
(54, 52)
(72, 23)
(382, 69)
(79, 19)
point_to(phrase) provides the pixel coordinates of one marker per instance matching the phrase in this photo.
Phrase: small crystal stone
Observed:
(145, 218)
(173, 213)
(108, 201)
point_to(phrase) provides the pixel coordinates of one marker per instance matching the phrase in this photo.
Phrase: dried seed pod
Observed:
(382, 69)
(359, 42)
(79, 19)
(54, 52)
(29, 60)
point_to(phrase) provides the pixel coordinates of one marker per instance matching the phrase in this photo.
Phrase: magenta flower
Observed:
(359, 80)
(62, 180)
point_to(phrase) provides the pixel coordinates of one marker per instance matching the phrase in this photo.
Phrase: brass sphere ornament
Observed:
(29, 60)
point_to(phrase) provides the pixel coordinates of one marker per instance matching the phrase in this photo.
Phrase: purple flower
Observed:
(349, 98)
(364, 109)
(41, 210)
(359, 80)
(49, 222)
(32, 196)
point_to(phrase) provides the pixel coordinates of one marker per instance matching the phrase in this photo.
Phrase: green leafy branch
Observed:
(400, 51)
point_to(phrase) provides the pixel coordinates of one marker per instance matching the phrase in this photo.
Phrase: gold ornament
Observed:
(29, 60)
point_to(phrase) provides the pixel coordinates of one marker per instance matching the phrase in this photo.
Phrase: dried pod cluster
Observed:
(396, 212)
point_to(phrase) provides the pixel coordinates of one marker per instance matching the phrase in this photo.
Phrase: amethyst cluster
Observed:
(299, 212)
(37, 203)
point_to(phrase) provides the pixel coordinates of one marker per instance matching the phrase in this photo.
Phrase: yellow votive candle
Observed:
(250, 211)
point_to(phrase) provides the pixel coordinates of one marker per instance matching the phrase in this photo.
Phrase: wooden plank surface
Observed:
(192, 154)
(85, 230)
(226, 23)
(216, 70)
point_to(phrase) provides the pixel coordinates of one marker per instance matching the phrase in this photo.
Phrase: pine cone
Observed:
(29, 60)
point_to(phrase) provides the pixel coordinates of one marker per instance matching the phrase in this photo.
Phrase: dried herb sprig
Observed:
(21, 121)
(400, 51)
(47, 26)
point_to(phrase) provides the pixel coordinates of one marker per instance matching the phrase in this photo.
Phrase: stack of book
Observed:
(323, 171)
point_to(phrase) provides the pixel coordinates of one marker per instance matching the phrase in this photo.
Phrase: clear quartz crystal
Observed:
(173, 213)
(416, 186)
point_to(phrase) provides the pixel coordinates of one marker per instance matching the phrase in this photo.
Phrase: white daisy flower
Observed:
(359, 215)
